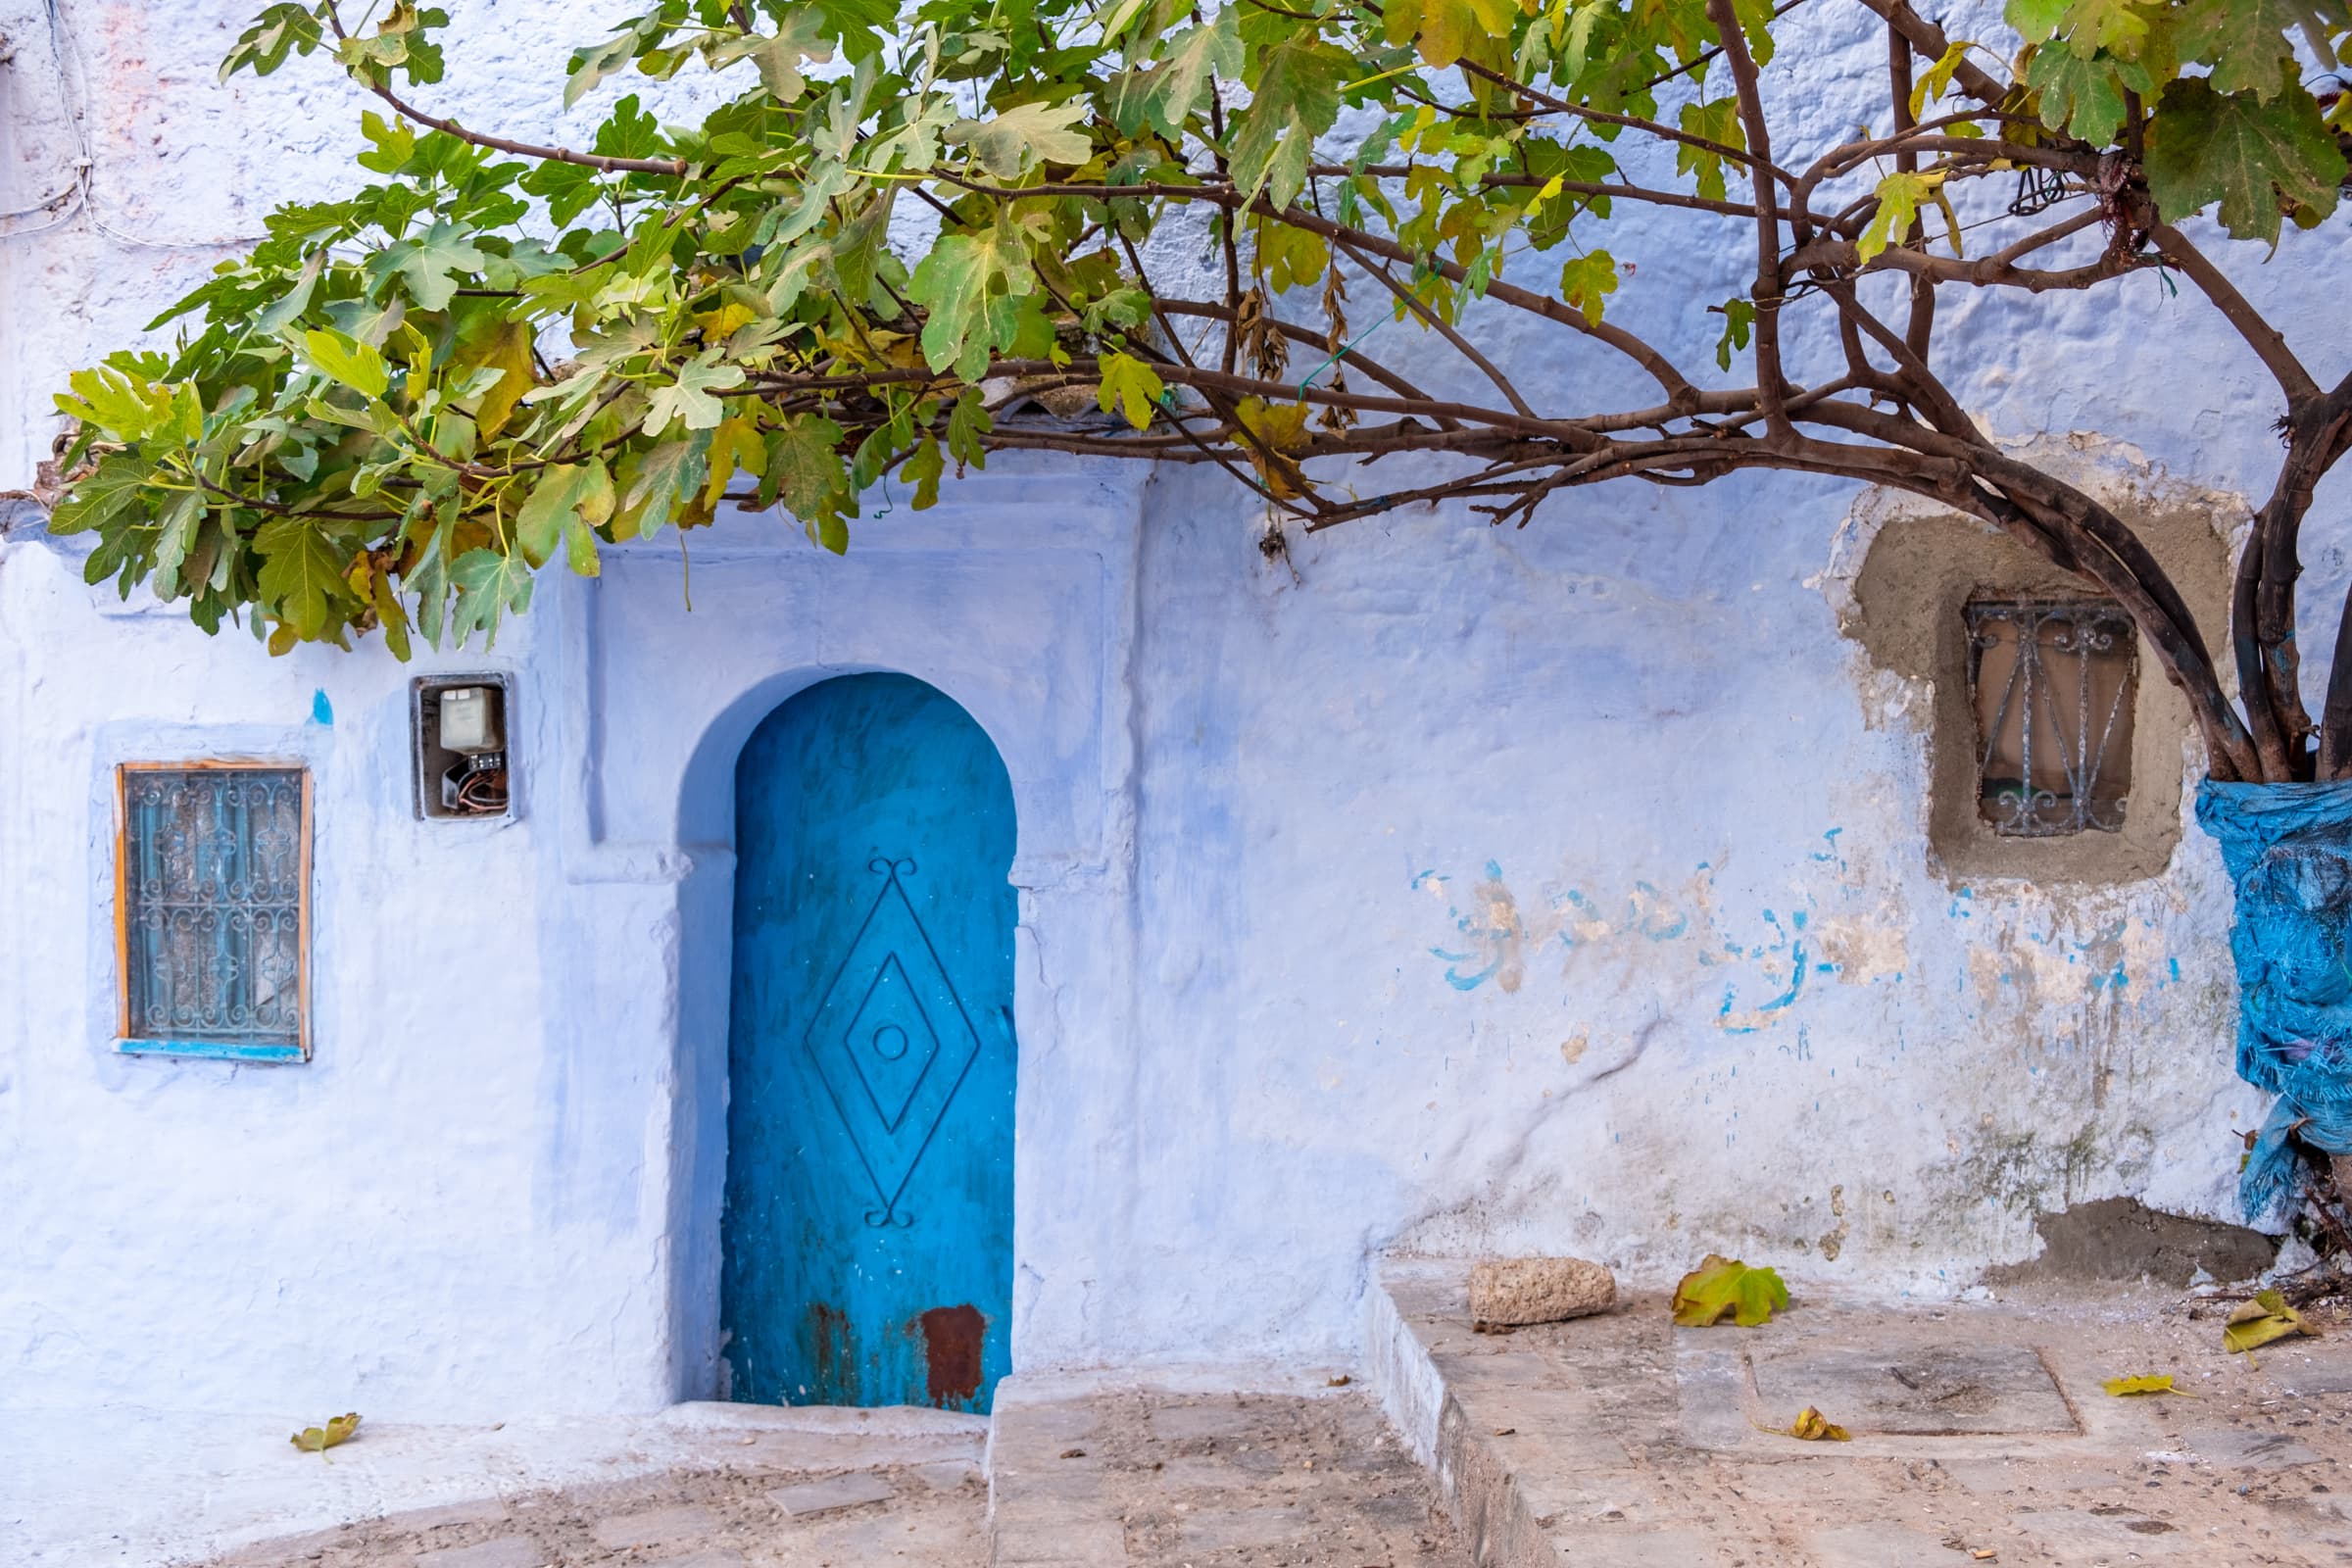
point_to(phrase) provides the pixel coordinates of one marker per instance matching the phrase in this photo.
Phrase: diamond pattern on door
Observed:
(891, 1043)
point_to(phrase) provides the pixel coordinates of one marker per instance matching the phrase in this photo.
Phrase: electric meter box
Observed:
(459, 727)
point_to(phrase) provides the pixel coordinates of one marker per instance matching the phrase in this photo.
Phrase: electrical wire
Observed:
(78, 198)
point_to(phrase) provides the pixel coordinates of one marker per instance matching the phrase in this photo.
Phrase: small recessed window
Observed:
(2053, 685)
(212, 910)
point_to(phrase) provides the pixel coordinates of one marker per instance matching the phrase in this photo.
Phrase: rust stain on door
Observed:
(952, 1354)
(830, 1352)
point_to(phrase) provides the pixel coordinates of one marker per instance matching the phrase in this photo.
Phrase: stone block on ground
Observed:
(685, 1526)
(1514, 1291)
(832, 1494)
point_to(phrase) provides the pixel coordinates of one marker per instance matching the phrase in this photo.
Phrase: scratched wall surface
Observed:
(1440, 889)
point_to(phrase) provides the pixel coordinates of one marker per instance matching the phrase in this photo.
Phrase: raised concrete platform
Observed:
(1980, 1433)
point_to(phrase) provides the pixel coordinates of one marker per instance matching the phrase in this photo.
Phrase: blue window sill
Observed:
(216, 1049)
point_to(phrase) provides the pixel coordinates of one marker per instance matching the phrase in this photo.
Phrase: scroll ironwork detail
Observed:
(212, 904)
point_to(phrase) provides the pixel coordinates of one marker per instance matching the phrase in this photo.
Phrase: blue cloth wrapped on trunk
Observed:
(2288, 850)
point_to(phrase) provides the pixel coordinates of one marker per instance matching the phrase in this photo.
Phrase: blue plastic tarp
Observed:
(2288, 850)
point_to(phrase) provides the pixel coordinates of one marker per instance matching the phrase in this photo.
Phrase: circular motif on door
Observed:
(889, 1042)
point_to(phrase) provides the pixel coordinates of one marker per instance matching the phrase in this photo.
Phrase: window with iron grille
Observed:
(2052, 683)
(212, 909)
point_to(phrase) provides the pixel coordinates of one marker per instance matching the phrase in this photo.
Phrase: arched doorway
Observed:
(867, 1233)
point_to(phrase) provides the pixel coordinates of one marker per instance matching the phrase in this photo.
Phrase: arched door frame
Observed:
(1017, 599)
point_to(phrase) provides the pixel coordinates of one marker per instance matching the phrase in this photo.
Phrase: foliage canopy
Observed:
(924, 231)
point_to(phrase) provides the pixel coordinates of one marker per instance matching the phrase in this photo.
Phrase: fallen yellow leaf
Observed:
(2258, 1322)
(1722, 1285)
(317, 1440)
(2159, 1383)
(1814, 1426)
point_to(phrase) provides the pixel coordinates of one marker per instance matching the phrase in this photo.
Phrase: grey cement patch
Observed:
(1915, 1390)
(2121, 1239)
(2248, 1448)
(1708, 1385)
(2107, 1535)
(832, 1494)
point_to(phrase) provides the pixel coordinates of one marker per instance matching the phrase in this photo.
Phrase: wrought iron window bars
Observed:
(2052, 683)
(213, 909)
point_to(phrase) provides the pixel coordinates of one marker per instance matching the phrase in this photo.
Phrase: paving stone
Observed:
(2251, 1447)
(659, 1527)
(1881, 1546)
(832, 1494)
(502, 1552)
(1915, 1390)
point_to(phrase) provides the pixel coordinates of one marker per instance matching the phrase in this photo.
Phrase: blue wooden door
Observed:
(868, 1224)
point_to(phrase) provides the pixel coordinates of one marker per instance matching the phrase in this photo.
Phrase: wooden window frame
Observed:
(126, 1043)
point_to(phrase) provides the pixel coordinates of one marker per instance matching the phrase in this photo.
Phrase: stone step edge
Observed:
(1474, 1481)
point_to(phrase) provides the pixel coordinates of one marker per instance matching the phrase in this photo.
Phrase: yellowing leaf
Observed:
(569, 500)
(1722, 1285)
(317, 1440)
(1281, 431)
(1899, 196)
(2258, 1322)
(1587, 280)
(2122, 1388)
(718, 325)
(1130, 385)
(1938, 78)
(1448, 29)
(1814, 1426)
(509, 353)
(737, 443)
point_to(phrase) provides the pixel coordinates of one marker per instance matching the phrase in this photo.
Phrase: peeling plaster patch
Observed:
(1900, 572)
(1866, 948)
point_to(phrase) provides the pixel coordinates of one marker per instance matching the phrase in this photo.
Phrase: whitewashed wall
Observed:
(1563, 888)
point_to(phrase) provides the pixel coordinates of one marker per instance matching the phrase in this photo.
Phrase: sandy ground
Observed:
(1216, 1481)
(707, 1519)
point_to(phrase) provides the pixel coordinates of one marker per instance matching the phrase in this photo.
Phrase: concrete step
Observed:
(1980, 1435)
(1299, 1473)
